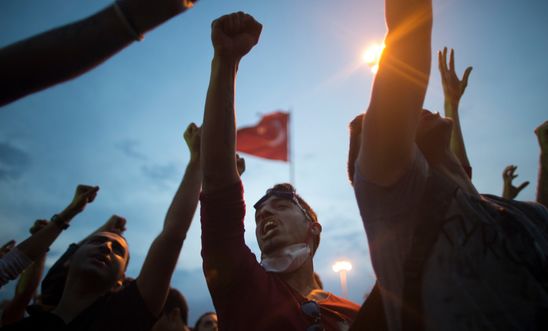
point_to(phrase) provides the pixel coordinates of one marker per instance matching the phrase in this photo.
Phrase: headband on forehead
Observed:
(282, 194)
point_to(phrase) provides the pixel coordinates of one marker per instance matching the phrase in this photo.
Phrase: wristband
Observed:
(55, 219)
(130, 27)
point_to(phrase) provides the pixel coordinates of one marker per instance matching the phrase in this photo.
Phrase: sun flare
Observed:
(372, 55)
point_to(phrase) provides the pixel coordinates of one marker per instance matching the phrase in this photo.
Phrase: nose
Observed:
(264, 212)
(106, 247)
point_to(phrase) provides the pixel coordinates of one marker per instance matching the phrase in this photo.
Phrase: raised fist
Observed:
(234, 35)
(115, 224)
(84, 194)
(38, 225)
(192, 138)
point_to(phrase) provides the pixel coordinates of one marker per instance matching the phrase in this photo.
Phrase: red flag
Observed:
(268, 139)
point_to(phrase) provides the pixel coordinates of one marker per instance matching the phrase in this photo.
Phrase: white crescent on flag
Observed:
(281, 137)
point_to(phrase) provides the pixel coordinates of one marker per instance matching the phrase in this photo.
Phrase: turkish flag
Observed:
(268, 139)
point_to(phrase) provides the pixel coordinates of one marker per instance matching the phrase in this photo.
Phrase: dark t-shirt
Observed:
(118, 311)
(484, 271)
(246, 297)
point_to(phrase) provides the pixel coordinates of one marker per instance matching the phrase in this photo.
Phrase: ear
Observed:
(316, 228)
(120, 282)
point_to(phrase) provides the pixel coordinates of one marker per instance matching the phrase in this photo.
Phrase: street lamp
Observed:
(342, 267)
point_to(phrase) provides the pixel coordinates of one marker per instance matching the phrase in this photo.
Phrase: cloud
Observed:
(159, 172)
(13, 162)
(129, 148)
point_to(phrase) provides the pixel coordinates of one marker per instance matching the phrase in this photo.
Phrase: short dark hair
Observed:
(354, 147)
(286, 187)
(175, 299)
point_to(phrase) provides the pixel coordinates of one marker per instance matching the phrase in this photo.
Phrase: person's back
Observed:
(446, 257)
(486, 264)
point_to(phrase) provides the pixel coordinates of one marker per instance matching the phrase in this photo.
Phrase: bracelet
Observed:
(55, 219)
(130, 27)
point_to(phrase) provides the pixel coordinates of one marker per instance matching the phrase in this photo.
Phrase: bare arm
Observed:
(398, 93)
(37, 244)
(155, 276)
(66, 52)
(542, 187)
(453, 89)
(233, 36)
(26, 285)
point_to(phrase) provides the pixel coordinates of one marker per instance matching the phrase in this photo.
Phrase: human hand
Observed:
(38, 225)
(509, 190)
(234, 35)
(453, 88)
(84, 194)
(114, 224)
(7, 247)
(542, 135)
(170, 322)
(192, 137)
(240, 164)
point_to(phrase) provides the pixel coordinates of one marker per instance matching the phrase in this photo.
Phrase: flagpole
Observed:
(291, 147)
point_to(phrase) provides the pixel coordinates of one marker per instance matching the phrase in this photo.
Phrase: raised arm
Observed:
(66, 52)
(155, 276)
(232, 36)
(26, 285)
(542, 187)
(453, 89)
(398, 92)
(509, 191)
(35, 246)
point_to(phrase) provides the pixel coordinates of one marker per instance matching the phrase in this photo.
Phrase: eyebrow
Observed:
(115, 243)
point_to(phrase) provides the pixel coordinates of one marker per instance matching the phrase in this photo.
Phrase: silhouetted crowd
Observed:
(445, 256)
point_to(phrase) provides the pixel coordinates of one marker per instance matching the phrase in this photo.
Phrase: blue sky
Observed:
(120, 126)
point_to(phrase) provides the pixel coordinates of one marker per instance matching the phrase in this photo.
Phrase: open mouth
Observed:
(268, 228)
(101, 259)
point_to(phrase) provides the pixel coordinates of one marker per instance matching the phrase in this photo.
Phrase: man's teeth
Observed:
(269, 226)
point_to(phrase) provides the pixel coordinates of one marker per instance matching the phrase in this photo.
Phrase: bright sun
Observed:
(372, 55)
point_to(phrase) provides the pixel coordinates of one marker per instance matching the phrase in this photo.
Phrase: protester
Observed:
(207, 322)
(66, 52)
(453, 89)
(509, 191)
(28, 282)
(55, 280)
(22, 255)
(94, 298)
(446, 258)
(542, 188)
(280, 293)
